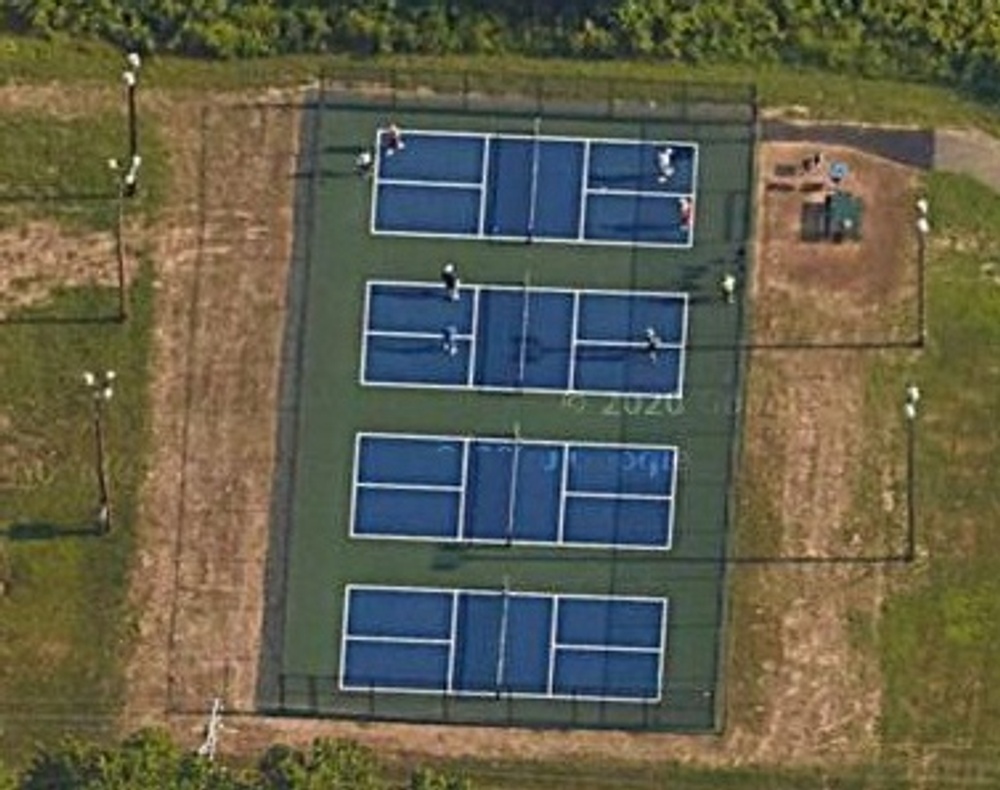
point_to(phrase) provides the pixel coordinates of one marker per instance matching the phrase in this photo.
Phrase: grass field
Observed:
(941, 626)
(935, 642)
(64, 626)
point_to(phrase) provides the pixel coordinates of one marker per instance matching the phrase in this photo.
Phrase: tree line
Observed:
(150, 760)
(938, 40)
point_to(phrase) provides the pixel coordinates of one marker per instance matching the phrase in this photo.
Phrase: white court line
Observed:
(664, 621)
(609, 598)
(345, 612)
(624, 141)
(484, 178)
(536, 147)
(453, 640)
(423, 285)
(512, 496)
(365, 321)
(436, 691)
(444, 438)
(415, 335)
(563, 489)
(641, 344)
(356, 472)
(410, 182)
(585, 177)
(398, 640)
(590, 242)
(573, 337)
(470, 377)
(675, 462)
(522, 359)
(588, 546)
(643, 193)
(460, 527)
(554, 613)
(429, 487)
(376, 179)
(406, 385)
(682, 362)
(610, 495)
(599, 648)
(498, 679)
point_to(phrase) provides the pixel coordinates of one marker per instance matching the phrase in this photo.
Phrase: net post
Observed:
(312, 693)
(498, 680)
(445, 705)
(512, 495)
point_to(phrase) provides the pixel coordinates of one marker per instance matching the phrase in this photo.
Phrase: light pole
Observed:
(131, 79)
(923, 228)
(910, 410)
(101, 388)
(125, 182)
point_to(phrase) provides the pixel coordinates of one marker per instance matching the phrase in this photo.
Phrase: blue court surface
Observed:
(506, 338)
(534, 187)
(442, 488)
(500, 642)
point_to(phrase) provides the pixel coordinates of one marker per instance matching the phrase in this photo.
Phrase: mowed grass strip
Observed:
(63, 618)
(941, 632)
(58, 168)
(803, 91)
(63, 622)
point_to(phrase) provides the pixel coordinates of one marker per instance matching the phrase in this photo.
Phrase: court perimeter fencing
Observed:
(523, 93)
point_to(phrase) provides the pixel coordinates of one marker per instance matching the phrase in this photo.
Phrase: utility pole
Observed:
(131, 78)
(923, 228)
(101, 388)
(910, 410)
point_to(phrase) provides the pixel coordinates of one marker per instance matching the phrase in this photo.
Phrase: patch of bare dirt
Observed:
(222, 254)
(818, 695)
(865, 290)
(55, 99)
(39, 257)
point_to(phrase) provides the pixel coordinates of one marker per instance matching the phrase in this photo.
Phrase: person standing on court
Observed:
(728, 287)
(393, 139)
(687, 210)
(450, 341)
(664, 163)
(653, 343)
(363, 163)
(449, 276)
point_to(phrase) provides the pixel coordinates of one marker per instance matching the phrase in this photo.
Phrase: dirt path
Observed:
(970, 152)
(222, 252)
